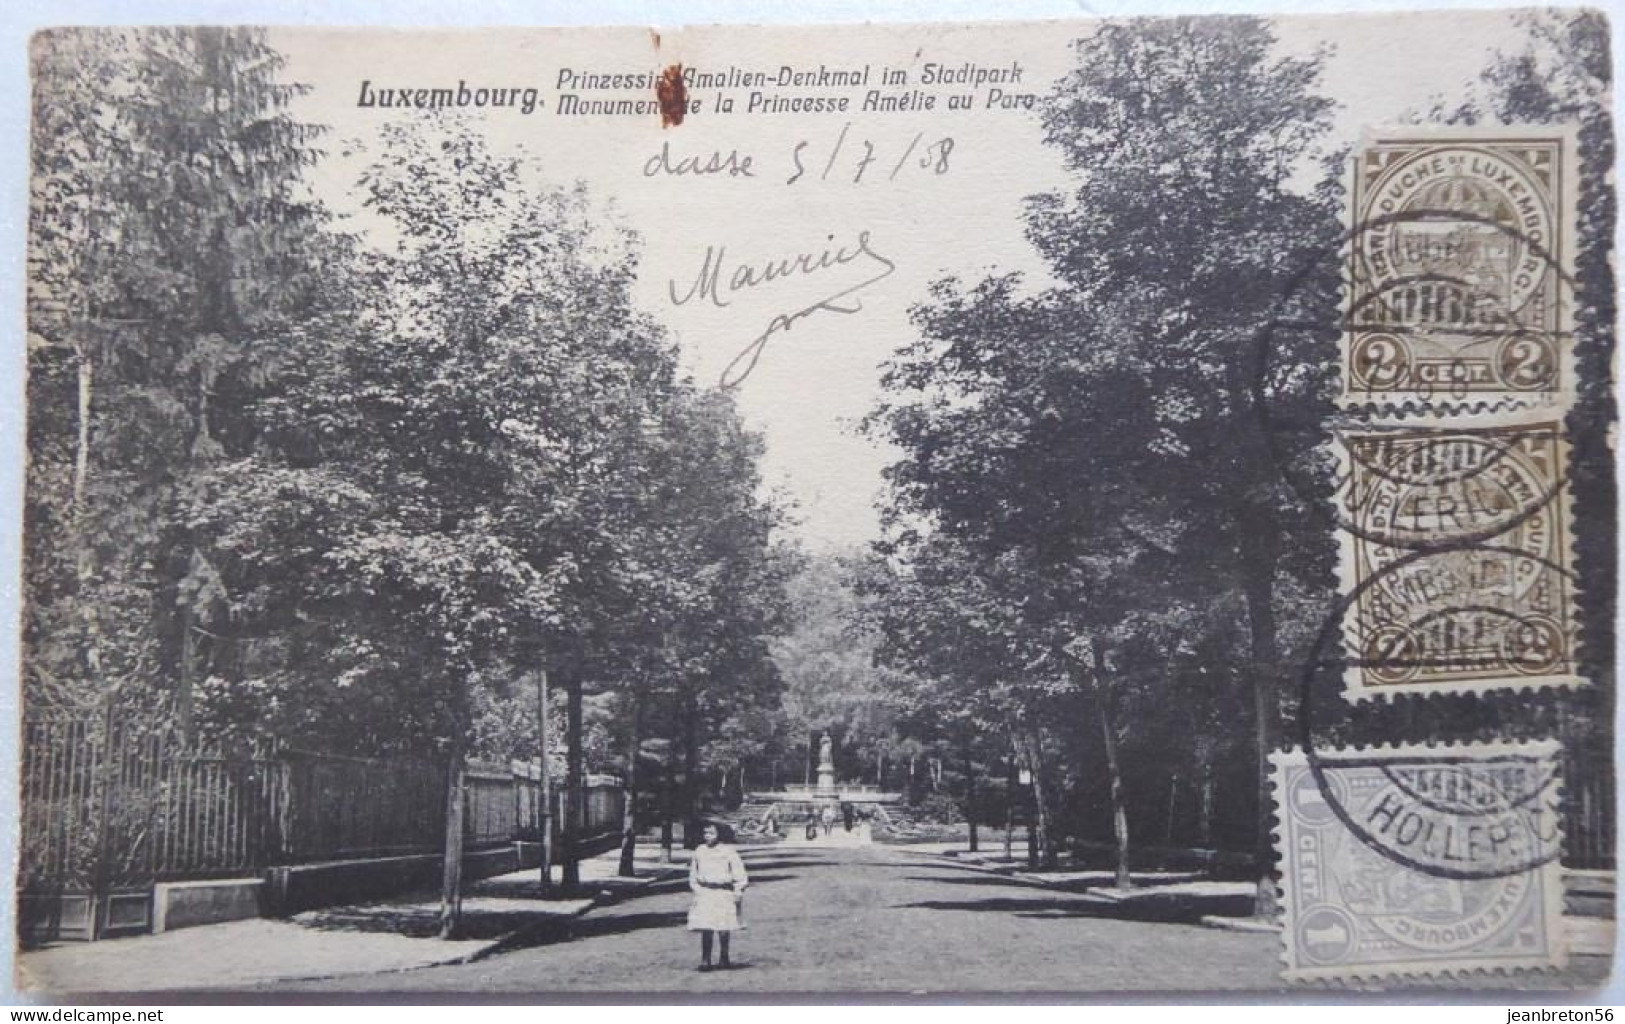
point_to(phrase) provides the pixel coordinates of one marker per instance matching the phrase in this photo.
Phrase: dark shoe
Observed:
(725, 966)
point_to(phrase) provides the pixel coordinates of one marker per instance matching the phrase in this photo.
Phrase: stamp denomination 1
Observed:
(1417, 861)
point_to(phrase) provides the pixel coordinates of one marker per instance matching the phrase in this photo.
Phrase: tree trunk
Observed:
(970, 801)
(668, 795)
(691, 773)
(451, 874)
(544, 818)
(183, 692)
(1173, 798)
(1205, 819)
(629, 824)
(570, 837)
(1114, 769)
(1040, 851)
(1049, 855)
(1261, 621)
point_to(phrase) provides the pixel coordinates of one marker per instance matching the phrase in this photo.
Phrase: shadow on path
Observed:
(664, 887)
(929, 863)
(1151, 910)
(787, 862)
(412, 922)
(992, 880)
(592, 927)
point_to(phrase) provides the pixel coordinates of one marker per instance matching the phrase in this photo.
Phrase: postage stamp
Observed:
(1419, 861)
(1455, 551)
(1458, 277)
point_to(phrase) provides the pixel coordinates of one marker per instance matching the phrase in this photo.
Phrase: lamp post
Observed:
(1009, 805)
(1025, 777)
(544, 816)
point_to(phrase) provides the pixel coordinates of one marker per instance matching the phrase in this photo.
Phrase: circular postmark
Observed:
(1439, 336)
(1450, 813)
(1452, 288)
(1416, 489)
(1456, 234)
(1441, 299)
(1459, 618)
(1328, 312)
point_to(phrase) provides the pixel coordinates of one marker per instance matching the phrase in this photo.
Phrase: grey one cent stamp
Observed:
(1413, 862)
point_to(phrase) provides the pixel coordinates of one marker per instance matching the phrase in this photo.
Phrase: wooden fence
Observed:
(344, 808)
(107, 808)
(491, 810)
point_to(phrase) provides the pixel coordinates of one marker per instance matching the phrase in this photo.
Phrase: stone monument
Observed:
(826, 769)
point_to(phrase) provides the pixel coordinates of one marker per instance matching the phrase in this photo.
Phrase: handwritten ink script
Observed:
(718, 285)
(845, 156)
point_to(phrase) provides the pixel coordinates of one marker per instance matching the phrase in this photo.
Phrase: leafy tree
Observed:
(828, 666)
(1184, 137)
(723, 638)
(356, 492)
(962, 658)
(173, 248)
(1054, 434)
(428, 497)
(683, 612)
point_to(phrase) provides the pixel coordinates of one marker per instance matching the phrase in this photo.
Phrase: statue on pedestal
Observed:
(826, 766)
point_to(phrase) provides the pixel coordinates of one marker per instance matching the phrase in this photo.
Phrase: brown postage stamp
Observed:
(1459, 279)
(1455, 556)
(1419, 861)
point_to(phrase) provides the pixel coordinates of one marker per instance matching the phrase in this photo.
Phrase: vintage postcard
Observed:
(1085, 506)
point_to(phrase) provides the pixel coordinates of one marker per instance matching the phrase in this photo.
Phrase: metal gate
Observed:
(110, 808)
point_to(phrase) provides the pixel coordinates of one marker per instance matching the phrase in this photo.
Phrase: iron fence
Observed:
(106, 807)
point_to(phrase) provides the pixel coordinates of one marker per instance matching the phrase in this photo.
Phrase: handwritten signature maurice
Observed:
(715, 283)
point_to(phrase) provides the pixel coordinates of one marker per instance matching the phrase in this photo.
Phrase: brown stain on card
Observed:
(673, 96)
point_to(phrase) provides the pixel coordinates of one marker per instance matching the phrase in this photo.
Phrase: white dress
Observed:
(717, 877)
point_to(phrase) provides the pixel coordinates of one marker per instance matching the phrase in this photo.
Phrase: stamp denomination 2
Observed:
(1458, 553)
(1457, 271)
(1419, 861)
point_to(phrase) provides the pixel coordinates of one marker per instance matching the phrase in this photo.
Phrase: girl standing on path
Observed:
(717, 877)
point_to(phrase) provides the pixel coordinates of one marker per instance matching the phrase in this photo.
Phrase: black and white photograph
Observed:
(1105, 507)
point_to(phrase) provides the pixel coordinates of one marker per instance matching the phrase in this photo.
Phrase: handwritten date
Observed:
(849, 158)
(858, 155)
